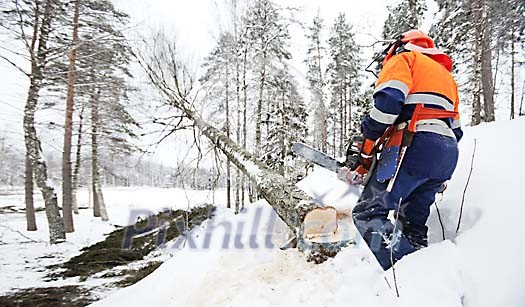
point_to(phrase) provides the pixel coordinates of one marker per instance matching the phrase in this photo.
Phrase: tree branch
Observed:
(15, 66)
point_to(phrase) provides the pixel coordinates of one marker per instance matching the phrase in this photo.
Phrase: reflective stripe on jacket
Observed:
(407, 79)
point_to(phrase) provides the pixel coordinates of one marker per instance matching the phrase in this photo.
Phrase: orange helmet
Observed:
(417, 40)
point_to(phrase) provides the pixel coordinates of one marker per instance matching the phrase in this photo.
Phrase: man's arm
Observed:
(392, 88)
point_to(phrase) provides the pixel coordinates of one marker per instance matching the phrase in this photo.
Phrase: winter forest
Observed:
(102, 95)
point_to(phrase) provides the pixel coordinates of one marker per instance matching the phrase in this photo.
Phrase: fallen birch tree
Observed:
(313, 224)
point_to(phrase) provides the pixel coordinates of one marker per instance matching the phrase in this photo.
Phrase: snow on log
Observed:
(297, 209)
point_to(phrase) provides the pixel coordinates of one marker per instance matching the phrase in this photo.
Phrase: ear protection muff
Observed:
(394, 48)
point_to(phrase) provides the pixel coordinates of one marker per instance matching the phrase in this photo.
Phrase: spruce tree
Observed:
(406, 15)
(344, 70)
(268, 36)
(286, 122)
(315, 76)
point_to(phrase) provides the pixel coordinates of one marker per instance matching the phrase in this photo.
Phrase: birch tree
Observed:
(32, 22)
(161, 63)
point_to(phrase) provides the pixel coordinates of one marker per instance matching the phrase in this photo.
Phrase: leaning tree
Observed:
(314, 225)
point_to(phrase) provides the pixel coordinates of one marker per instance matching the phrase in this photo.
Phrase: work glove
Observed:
(364, 147)
(355, 177)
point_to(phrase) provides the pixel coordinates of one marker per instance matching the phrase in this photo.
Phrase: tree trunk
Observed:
(67, 189)
(228, 165)
(341, 119)
(32, 142)
(290, 202)
(244, 117)
(486, 67)
(56, 224)
(521, 103)
(512, 76)
(476, 99)
(238, 130)
(30, 208)
(345, 120)
(262, 80)
(334, 134)
(102, 204)
(95, 174)
(321, 98)
(78, 156)
(324, 129)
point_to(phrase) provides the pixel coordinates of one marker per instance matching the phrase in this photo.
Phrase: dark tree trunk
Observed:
(95, 174)
(67, 189)
(30, 207)
(341, 119)
(238, 130)
(78, 156)
(486, 67)
(521, 103)
(228, 165)
(512, 76)
(244, 116)
(476, 99)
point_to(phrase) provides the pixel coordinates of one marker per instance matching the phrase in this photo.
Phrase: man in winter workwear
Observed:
(415, 103)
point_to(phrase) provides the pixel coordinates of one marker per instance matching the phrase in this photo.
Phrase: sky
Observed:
(196, 24)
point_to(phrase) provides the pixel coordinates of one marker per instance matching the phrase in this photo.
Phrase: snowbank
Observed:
(479, 266)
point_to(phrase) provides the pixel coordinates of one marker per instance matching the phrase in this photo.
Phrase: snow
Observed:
(235, 260)
(480, 266)
(26, 255)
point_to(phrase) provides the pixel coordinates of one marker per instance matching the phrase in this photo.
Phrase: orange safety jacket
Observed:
(408, 79)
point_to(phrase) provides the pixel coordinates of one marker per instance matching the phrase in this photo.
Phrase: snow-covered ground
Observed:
(25, 255)
(480, 266)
